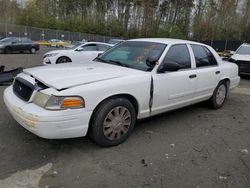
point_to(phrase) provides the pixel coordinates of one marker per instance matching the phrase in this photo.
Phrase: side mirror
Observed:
(170, 66)
(13, 42)
(151, 62)
(99, 54)
(79, 49)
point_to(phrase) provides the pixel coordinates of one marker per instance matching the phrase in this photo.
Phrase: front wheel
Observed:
(219, 96)
(7, 50)
(63, 60)
(113, 122)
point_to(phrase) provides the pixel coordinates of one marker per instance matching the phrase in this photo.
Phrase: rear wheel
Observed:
(113, 122)
(63, 60)
(219, 96)
(32, 50)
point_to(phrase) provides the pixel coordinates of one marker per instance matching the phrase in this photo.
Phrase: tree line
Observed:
(192, 19)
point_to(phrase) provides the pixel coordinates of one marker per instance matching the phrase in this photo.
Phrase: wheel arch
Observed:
(227, 80)
(129, 97)
(62, 57)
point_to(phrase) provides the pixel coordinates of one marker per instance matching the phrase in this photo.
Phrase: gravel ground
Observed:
(191, 147)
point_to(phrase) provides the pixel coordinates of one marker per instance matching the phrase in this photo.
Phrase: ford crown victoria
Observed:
(103, 98)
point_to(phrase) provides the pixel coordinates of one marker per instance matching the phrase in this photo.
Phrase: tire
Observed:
(112, 122)
(63, 60)
(219, 96)
(33, 50)
(7, 50)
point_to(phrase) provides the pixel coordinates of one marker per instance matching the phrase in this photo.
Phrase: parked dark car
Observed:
(15, 44)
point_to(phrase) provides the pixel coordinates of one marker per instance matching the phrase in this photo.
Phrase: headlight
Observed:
(50, 55)
(57, 102)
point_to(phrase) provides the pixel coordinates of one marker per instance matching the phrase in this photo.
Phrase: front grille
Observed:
(244, 66)
(23, 89)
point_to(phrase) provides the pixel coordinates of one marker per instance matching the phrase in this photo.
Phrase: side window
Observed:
(102, 47)
(25, 40)
(89, 47)
(203, 56)
(179, 54)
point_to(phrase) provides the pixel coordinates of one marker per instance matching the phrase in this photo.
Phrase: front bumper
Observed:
(244, 67)
(44, 123)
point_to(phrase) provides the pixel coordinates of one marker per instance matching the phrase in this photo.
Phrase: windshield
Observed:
(6, 40)
(243, 50)
(133, 54)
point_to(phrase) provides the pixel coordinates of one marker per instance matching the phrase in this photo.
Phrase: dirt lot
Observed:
(190, 147)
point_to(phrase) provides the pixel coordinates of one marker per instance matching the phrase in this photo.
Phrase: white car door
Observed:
(208, 71)
(85, 53)
(177, 88)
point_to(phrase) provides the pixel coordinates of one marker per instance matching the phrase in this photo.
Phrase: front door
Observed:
(174, 89)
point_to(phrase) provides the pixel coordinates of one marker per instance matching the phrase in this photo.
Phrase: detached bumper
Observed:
(44, 123)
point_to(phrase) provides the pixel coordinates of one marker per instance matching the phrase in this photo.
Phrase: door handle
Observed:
(192, 76)
(217, 72)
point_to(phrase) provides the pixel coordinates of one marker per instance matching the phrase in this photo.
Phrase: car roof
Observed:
(165, 40)
(97, 43)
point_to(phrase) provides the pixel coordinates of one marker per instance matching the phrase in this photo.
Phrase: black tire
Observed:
(33, 50)
(101, 115)
(63, 60)
(7, 50)
(216, 102)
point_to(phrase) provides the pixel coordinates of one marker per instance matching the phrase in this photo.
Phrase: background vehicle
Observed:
(134, 80)
(79, 53)
(115, 41)
(58, 43)
(242, 58)
(14, 44)
(74, 44)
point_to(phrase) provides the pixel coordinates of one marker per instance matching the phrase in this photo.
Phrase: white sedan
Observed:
(136, 79)
(82, 53)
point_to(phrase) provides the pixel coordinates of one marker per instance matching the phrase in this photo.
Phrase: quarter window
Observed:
(203, 56)
(179, 54)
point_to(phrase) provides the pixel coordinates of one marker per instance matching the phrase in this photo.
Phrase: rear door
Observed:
(175, 89)
(208, 71)
(26, 44)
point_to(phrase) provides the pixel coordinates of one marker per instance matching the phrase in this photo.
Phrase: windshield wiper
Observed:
(118, 63)
(111, 62)
(100, 60)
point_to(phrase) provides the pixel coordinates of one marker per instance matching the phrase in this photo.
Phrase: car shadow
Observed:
(245, 77)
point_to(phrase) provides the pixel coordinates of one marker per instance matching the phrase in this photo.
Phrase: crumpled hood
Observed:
(64, 76)
(239, 57)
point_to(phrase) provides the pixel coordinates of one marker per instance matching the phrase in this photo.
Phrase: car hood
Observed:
(240, 57)
(64, 76)
(60, 51)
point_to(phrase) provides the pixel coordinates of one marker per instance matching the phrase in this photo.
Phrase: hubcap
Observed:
(33, 50)
(117, 123)
(221, 94)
